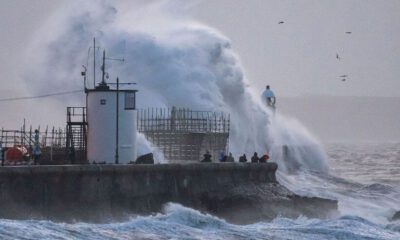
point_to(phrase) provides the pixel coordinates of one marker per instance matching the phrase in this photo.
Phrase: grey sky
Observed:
(296, 58)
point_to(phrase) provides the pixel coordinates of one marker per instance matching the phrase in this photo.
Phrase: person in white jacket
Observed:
(268, 97)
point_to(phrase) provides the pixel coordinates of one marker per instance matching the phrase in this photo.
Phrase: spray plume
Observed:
(176, 62)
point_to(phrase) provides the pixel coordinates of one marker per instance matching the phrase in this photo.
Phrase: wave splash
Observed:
(176, 61)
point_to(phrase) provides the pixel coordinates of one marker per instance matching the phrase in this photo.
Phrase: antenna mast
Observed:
(103, 68)
(94, 62)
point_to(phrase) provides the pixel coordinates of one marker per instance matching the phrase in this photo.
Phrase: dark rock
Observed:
(248, 203)
(145, 159)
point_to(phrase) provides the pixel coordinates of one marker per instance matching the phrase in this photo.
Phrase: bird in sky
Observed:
(343, 76)
(337, 56)
(281, 22)
(348, 32)
(344, 79)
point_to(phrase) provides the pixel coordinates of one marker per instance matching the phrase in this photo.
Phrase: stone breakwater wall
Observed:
(96, 192)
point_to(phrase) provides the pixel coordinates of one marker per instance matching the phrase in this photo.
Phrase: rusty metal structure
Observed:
(184, 135)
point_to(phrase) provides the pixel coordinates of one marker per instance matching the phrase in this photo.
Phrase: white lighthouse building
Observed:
(111, 116)
(112, 123)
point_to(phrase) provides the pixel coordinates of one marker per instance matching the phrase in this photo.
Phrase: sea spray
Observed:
(294, 148)
(145, 147)
(175, 61)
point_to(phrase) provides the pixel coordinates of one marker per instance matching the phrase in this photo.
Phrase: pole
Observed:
(94, 62)
(117, 125)
(103, 68)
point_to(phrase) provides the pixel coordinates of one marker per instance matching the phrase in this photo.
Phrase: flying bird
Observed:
(344, 79)
(348, 32)
(343, 76)
(281, 22)
(337, 56)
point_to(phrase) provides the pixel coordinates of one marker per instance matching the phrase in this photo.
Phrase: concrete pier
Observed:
(95, 192)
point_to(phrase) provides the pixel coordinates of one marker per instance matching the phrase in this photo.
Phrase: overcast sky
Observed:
(297, 58)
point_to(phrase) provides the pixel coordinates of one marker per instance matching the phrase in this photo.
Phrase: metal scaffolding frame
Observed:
(184, 134)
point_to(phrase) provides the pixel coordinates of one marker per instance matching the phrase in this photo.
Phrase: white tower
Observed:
(112, 123)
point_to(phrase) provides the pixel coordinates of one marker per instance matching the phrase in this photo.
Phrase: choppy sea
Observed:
(364, 178)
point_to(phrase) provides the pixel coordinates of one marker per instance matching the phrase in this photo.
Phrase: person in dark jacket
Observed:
(243, 158)
(207, 157)
(254, 158)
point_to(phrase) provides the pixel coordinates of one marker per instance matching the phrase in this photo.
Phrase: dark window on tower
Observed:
(102, 101)
(130, 101)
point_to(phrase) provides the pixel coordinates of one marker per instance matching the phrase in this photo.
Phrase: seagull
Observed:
(343, 76)
(281, 22)
(348, 32)
(344, 79)
(337, 56)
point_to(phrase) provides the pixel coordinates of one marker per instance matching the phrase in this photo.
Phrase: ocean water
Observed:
(364, 178)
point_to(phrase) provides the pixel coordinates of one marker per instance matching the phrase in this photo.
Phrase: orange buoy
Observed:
(15, 154)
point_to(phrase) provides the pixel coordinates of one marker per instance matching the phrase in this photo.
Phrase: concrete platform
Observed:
(96, 192)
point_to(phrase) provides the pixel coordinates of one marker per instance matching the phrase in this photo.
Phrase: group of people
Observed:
(229, 158)
(222, 158)
(255, 159)
(225, 158)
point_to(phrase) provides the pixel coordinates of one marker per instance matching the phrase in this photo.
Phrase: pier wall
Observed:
(95, 192)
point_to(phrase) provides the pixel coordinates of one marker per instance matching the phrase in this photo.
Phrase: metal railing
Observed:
(182, 120)
(48, 138)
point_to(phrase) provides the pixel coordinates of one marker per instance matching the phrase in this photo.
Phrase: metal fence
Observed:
(50, 137)
(182, 120)
(183, 134)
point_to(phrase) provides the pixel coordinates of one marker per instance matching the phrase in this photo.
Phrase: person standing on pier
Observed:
(264, 158)
(207, 157)
(243, 158)
(268, 97)
(254, 158)
(36, 148)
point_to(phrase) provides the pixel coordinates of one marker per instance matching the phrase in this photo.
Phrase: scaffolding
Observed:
(58, 145)
(50, 137)
(183, 134)
(52, 141)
